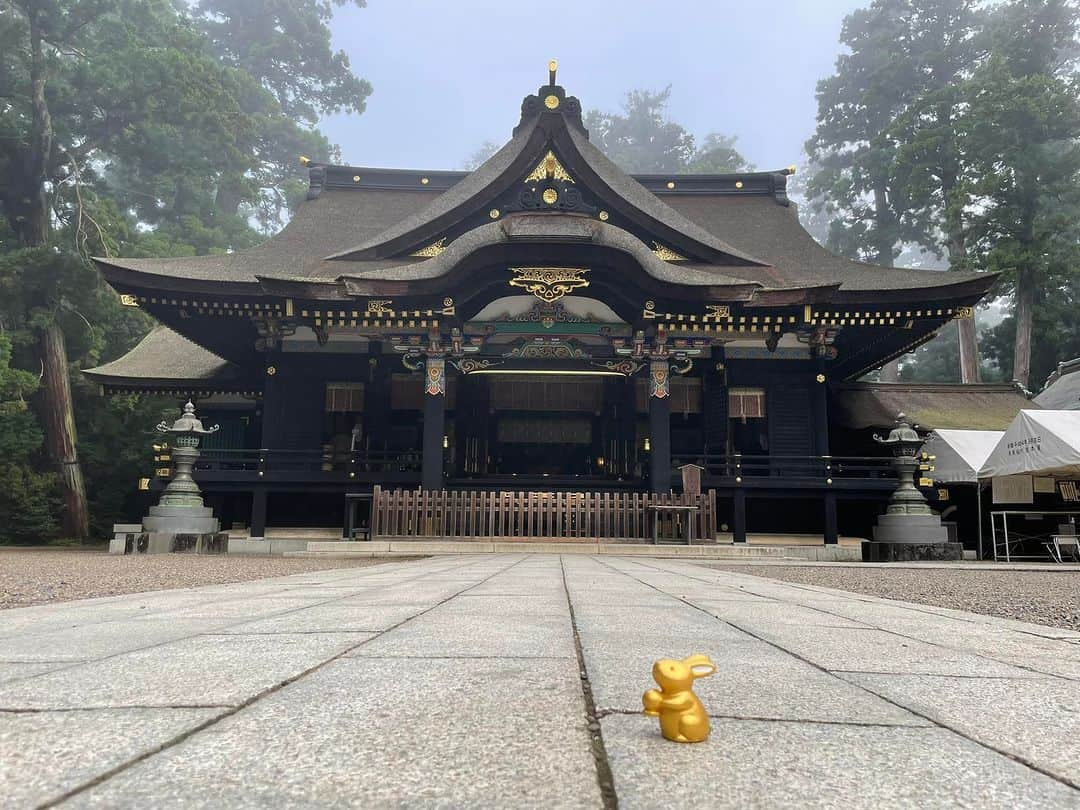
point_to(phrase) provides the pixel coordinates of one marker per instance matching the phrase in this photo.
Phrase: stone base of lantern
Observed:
(170, 543)
(911, 552)
(181, 520)
(908, 528)
(902, 537)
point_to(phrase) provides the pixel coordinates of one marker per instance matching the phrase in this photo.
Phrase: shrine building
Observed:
(545, 323)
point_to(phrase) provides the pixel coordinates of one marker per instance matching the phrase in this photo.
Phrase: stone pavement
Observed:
(515, 680)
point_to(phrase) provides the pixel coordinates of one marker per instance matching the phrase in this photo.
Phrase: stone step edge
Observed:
(413, 547)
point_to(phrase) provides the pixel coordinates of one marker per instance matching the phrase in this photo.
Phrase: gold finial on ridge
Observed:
(553, 66)
(304, 160)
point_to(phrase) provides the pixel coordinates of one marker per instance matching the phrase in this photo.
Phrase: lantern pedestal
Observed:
(909, 529)
(180, 521)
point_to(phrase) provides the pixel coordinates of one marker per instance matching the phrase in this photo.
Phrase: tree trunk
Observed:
(883, 247)
(33, 227)
(58, 417)
(969, 351)
(1025, 304)
(966, 334)
(956, 244)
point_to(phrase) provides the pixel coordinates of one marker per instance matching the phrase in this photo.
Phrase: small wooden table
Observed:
(352, 500)
(688, 514)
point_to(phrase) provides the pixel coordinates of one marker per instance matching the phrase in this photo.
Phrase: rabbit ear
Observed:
(700, 665)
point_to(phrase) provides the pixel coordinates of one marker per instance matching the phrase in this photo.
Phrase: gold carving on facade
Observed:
(432, 250)
(378, 308)
(548, 283)
(551, 196)
(667, 254)
(551, 101)
(129, 300)
(717, 311)
(549, 169)
(964, 313)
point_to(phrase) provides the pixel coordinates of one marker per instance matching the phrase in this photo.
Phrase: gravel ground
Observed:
(38, 576)
(1041, 597)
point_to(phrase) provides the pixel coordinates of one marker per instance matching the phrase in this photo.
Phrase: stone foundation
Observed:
(911, 552)
(142, 542)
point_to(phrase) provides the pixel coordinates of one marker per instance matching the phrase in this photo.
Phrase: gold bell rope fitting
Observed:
(682, 715)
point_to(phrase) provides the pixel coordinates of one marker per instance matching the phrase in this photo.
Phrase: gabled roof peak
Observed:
(551, 101)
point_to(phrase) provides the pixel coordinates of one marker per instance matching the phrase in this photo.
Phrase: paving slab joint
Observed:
(604, 777)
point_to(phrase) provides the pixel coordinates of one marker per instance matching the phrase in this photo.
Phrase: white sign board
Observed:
(1044, 484)
(1014, 489)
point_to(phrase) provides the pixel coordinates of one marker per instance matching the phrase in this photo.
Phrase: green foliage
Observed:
(27, 499)
(29, 503)
(1020, 134)
(480, 155)
(718, 155)
(953, 125)
(1056, 330)
(853, 155)
(643, 140)
(938, 360)
(150, 128)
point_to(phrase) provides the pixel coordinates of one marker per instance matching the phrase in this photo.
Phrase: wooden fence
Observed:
(535, 515)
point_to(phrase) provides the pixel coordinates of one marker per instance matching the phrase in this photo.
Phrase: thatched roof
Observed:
(982, 406)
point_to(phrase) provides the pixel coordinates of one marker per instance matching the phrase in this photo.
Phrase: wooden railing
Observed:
(792, 467)
(532, 515)
(268, 461)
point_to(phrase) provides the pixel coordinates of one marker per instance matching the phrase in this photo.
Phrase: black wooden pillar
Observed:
(821, 442)
(715, 405)
(738, 516)
(431, 472)
(377, 399)
(660, 426)
(831, 530)
(821, 409)
(626, 455)
(258, 513)
(274, 403)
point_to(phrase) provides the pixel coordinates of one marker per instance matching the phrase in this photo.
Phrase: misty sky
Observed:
(450, 74)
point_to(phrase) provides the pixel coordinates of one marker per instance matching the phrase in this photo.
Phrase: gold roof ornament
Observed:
(305, 160)
(432, 250)
(553, 66)
(548, 283)
(549, 168)
(667, 254)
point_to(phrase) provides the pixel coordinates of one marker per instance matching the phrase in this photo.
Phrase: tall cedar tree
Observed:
(78, 80)
(930, 177)
(856, 106)
(285, 46)
(121, 113)
(643, 140)
(1021, 131)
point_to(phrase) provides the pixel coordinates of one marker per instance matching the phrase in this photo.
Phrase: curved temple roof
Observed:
(736, 232)
(161, 358)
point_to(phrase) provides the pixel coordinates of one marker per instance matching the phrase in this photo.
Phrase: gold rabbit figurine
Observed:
(682, 716)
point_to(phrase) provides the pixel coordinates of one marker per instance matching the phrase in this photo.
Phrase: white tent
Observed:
(960, 453)
(1037, 442)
